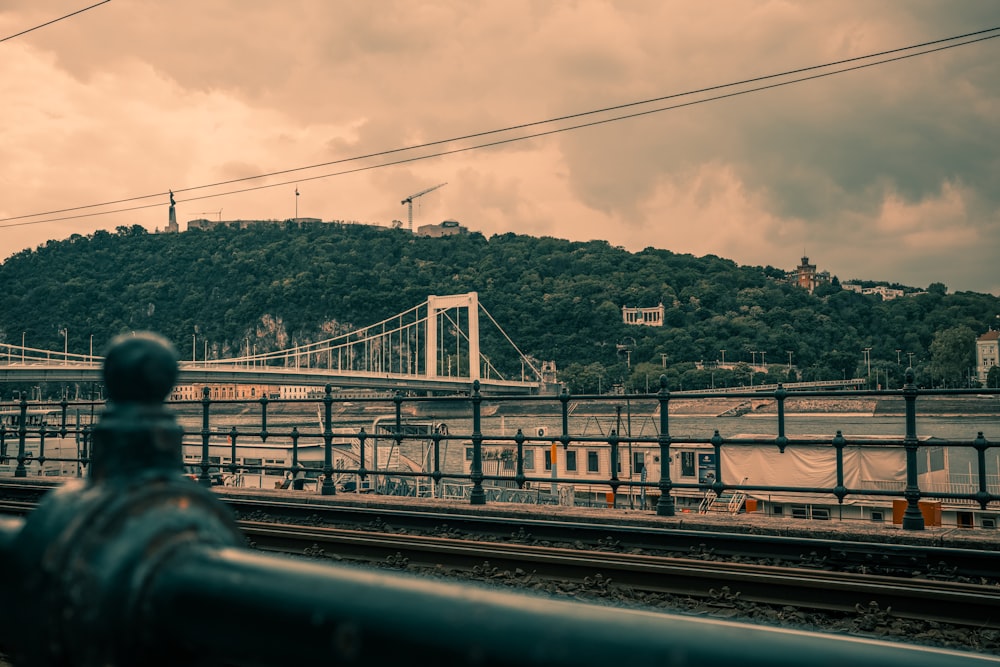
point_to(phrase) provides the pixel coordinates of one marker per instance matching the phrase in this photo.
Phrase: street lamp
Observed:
(22, 346)
(723, 357)
(897, 356)
(789, 359)
(65, 333)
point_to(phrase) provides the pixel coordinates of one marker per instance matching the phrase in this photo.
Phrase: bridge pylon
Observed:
(438, 304)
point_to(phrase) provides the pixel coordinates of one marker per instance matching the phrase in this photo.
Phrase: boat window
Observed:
(529, 459)
(687, 464)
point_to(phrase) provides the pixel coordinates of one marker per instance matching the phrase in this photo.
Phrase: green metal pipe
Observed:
(231, 606)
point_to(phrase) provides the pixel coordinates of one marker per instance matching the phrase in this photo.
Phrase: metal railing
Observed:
(222, 445)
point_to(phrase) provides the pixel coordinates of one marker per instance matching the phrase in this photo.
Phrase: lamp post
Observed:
(22, 346)
(789, 359)
(897, 356)
(65, 333)
(723, 357)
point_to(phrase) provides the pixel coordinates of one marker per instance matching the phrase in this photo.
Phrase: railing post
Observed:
(436, 474)
(983, 494)
(779, 396)
(263, 418)
(665, 505)
(913, 519)
(564, 406)
(233, 437)
(477, 496)
(362, 471)
(613, 482)
(89, 549)
(295, 460)
(22, 434)
(519, 471)
(717, 486)
(840, 490)
(329, 487)
(203, 478)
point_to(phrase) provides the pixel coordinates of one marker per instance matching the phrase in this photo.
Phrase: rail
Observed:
(138, 565)
(225, 448)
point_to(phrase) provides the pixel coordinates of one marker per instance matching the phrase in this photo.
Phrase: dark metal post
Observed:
(436, 474)
(88, 550)
(329, 488)
(913, 519)
(983, 494)
(296, 482)
(233, 435)
(840, 490)
(564, 405)
(519, 472)
(263, 418)
(665, 505)
(717, 485)
(613, 482)
(477, 496)
(206, 402)
(779, 395)
(22, 434)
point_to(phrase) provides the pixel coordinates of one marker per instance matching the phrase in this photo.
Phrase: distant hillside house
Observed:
(202, 223)
(887, 293)
(445, 228)
(652, 317)
(986, 354)
(806, 276)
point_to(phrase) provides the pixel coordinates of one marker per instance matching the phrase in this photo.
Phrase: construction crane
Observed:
(218, 213)
(409, 200)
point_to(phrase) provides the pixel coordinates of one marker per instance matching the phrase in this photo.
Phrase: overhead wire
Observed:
(522, 126)
(42, 25)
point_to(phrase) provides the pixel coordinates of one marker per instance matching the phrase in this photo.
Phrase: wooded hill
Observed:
(559, 300)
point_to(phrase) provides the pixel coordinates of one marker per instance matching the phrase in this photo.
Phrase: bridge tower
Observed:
(437, 304)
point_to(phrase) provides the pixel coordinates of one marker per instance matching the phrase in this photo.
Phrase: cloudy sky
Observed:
(891, 172)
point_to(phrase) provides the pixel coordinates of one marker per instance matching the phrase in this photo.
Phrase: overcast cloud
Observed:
(887, 173)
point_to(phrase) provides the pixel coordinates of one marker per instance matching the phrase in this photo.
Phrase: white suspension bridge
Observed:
(432, 347)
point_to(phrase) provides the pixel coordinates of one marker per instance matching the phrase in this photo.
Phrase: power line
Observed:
(518, 127)
(79, 11)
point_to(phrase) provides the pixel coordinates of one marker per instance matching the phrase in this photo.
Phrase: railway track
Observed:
(976, 563)
(720, 583)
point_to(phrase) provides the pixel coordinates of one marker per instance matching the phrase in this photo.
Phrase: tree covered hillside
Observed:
(278, 285)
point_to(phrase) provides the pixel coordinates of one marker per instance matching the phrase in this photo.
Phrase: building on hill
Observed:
(807, 277)
(887, 293)
(444, 228)
(203, 223)
(986, 354)
(652, 317)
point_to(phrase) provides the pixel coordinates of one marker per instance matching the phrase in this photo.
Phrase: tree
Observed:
(993, 378)
(953, 352)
